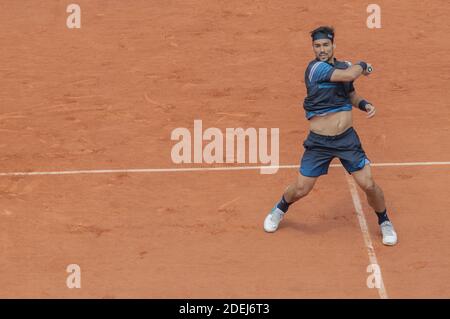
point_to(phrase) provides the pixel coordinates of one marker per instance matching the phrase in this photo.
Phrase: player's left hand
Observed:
(370, 109)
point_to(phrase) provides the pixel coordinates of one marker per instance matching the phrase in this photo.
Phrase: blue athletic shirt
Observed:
(324, 96)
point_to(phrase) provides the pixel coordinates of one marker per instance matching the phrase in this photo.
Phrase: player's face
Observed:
(323, 49)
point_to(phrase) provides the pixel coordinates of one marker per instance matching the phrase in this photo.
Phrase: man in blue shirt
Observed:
(328, 107)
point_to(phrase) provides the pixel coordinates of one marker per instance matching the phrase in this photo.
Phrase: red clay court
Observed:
(107, 97)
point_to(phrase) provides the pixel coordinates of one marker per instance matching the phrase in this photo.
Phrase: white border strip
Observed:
(365, 231)
(196, 169)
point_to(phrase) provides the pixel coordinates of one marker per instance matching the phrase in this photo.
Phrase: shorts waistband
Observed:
(333, 137)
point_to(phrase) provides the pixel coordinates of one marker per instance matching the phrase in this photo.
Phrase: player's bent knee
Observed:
(369, 187)
(302, 190)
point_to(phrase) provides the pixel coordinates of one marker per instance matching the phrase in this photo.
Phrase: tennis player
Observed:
(328, 105)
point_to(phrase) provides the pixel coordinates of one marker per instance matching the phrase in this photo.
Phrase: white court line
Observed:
(198, 169)
(365, 231)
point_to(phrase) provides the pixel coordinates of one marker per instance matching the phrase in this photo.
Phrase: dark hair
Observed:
(325, 30)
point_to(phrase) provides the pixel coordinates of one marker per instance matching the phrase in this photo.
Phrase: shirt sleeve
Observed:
(320, 72)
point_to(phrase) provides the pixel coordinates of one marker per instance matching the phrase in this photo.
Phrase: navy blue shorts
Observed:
(321, 149)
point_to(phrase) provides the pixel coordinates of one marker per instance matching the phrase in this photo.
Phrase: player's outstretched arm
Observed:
(351, 73)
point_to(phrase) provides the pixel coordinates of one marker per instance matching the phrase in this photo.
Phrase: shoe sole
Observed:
(389, 244)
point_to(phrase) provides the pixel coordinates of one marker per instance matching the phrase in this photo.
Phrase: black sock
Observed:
(382, 217)
(283, 205)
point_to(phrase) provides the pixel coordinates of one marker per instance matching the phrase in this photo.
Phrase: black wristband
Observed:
(363, 65)
(362, 105)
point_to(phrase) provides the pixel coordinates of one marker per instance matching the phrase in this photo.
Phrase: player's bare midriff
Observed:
(332, 123)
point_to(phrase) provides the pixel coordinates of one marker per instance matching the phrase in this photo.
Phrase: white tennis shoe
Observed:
(389, 234)
(273, 220)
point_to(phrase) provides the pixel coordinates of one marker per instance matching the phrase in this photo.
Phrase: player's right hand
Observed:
(368, 70)
(370, 109)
